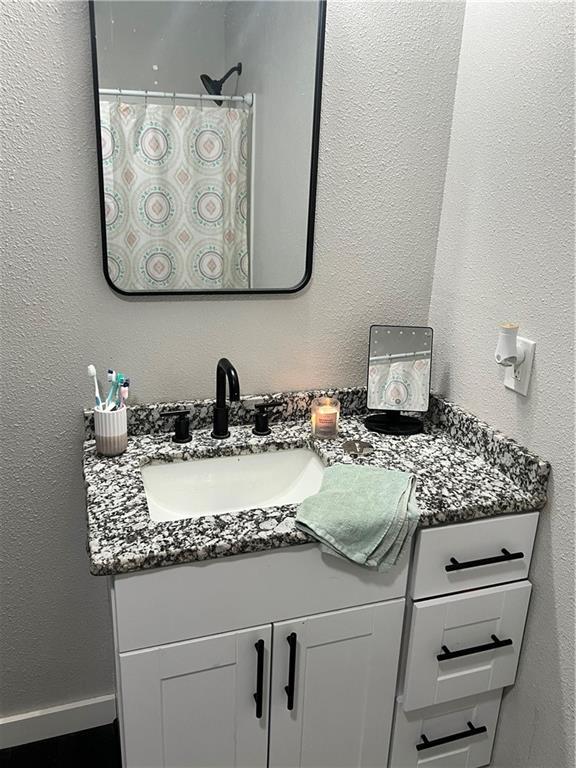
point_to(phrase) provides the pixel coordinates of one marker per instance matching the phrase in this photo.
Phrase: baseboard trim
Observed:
(56, 721)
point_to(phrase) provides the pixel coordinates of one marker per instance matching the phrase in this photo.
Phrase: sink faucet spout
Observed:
(224, 371)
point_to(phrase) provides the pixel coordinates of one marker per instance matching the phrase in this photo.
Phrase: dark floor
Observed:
(84, 749)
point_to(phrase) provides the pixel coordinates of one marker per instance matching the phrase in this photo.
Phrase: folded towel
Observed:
(363, 514)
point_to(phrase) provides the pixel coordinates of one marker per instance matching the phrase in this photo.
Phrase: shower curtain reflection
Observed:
(176, 196)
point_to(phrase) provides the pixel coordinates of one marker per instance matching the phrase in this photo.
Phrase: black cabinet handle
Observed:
(496, 643)
(259, 695)
(472, 731)
(292, 641)
(506, 556)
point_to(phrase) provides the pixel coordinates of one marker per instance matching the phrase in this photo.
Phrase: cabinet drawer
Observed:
(470, 555)
(464, 644)
(455, 735)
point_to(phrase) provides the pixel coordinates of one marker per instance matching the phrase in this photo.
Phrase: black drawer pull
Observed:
(292, 641)
(496, 643)
(506, 556)
(259, 695)
(472, 731)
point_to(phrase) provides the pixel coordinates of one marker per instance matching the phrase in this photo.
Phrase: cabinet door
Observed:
(192, 704)
(333, 687)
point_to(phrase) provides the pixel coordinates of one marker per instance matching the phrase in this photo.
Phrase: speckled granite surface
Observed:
(464, 470)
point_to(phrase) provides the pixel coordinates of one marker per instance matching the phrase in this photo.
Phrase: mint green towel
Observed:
(363, 514)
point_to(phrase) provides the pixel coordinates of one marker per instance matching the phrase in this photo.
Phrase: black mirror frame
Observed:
(312, 187)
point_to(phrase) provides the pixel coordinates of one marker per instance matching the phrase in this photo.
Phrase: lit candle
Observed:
(325, 415)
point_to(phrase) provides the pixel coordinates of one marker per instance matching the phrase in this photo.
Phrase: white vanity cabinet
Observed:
(290, 658)
(311, 682)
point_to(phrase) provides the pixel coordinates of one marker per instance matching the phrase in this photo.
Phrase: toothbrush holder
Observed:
(111, 431)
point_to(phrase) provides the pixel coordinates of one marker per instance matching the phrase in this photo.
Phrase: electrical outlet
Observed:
(517, 377)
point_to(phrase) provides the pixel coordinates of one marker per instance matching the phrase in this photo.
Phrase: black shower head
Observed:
(214, 87)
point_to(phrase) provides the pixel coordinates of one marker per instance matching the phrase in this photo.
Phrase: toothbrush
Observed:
(116, 380)
(92, 374)
(111, 377)
(124, 392)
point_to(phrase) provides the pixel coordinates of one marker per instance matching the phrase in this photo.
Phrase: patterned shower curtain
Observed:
(175, 188)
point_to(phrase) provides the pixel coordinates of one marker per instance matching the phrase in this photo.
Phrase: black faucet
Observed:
(224, 370)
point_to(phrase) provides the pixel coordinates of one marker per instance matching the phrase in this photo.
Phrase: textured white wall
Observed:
(506, 252)
(378, 211)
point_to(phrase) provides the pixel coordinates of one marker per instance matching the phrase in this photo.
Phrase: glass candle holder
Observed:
(325, 417)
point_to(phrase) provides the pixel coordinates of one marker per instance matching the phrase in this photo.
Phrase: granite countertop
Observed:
(464, 469)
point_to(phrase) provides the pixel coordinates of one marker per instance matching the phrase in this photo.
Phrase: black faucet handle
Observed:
(265, 404)
(181, 425)
(261, 427)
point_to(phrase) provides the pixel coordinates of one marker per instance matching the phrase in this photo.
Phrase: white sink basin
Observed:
(195, 488)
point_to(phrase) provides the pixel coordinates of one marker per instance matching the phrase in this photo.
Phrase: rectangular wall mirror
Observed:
(207, 113)
(399, 368)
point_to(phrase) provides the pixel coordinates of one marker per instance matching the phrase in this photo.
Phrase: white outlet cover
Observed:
(517, 378)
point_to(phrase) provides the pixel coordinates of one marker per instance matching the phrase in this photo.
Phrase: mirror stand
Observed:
(394, 423)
